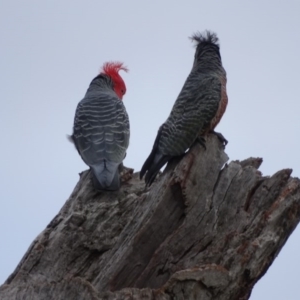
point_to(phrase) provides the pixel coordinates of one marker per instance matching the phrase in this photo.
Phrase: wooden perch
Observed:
(204, 230)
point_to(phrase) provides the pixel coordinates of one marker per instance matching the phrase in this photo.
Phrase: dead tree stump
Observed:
(204, 230)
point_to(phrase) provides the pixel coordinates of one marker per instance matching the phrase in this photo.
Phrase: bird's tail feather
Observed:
(147, 163)
(106, 176)
(152, 165)
(154, 162)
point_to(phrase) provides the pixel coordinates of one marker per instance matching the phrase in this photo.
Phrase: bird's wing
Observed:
(101, 129)
(194, 109)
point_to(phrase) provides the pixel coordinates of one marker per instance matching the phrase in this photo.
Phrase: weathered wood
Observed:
(204, 230)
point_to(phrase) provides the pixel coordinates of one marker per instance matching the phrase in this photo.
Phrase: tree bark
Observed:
(204, 230)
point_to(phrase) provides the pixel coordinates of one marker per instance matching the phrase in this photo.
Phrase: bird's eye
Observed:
(123, 91)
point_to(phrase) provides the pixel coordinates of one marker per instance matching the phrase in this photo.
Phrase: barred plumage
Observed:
(101, 130)
(197, 110)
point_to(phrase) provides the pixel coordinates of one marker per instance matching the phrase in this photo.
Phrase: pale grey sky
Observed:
(51, 50)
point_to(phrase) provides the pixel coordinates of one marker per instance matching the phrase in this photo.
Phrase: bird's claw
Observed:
(220, 137)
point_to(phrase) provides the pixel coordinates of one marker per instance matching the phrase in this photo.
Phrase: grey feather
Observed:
(195, 109)
(101, 132)
(106, 176)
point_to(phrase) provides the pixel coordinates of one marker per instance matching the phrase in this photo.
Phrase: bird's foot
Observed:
(201, 140)
(125, 173)
(220, 137)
